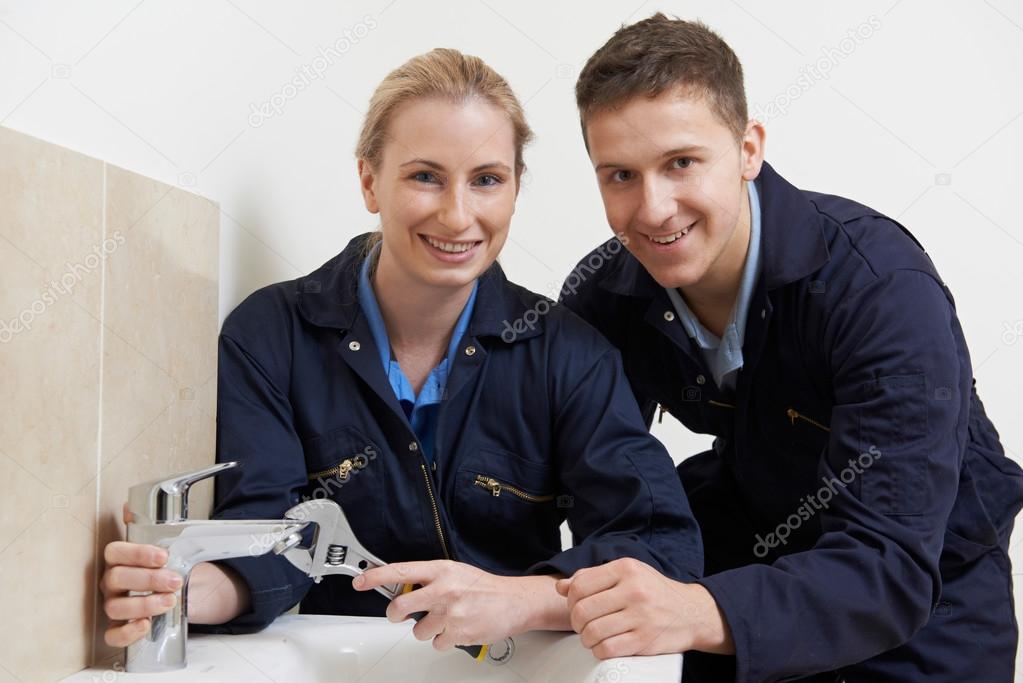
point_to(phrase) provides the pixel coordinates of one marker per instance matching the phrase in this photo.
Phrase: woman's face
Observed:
(445, 189)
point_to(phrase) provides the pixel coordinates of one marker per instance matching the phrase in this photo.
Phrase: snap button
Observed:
(669, 316)
(413, 447)
(470, 350)
(355, 346)
(700, 379)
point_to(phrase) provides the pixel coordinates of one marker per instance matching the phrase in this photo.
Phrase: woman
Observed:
(388, 381)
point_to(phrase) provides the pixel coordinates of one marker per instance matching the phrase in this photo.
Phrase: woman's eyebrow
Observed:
(433, 164)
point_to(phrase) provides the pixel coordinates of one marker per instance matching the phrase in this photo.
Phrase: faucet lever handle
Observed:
(166, 499)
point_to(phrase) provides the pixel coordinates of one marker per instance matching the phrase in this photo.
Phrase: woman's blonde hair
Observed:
(444, 73)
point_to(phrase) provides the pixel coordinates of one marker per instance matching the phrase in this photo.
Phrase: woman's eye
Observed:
(682, 162)
(621, 176)
(488, 180)
(424, 177)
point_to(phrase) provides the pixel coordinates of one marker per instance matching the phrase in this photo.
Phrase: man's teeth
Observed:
(668, 239)
(451, 247)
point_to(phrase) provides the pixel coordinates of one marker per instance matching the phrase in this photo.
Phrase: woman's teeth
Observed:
(668, 239)
(451, 247)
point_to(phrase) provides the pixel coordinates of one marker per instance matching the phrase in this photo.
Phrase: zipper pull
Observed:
(344, 468)
(791, 412)
(660, 414)
(489, 484)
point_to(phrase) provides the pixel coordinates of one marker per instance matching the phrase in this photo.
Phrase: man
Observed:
(856, 506)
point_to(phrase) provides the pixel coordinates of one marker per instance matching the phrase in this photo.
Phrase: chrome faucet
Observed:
(158, 515)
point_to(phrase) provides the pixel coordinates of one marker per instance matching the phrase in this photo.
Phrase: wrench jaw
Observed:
(335, 548)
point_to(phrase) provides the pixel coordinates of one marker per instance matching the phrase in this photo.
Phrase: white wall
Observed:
(919, 119)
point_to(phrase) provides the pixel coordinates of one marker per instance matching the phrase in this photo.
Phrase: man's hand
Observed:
(626, 607)
(468, 606)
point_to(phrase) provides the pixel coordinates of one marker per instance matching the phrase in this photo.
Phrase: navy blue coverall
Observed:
(857, 504)
(536, 400)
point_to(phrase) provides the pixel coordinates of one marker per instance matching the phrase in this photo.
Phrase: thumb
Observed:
(562, 587)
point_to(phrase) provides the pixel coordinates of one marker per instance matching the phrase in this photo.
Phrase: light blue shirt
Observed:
(724, 355)
(422, 411)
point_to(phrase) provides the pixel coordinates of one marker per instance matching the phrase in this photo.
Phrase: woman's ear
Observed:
(367, 181)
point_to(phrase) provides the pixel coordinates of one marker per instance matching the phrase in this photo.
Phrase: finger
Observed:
(126, 634)
(121, 579)
(596, 606)
(125, 513)
(134, 554)
(429, 627)
(562, 586)
(140, 606)
(449, 638)
(407, 604)
(605, 627)
(622, 645)
(586, 582)
(399, 573)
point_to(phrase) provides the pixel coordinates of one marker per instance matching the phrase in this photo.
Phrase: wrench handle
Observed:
(477, 652)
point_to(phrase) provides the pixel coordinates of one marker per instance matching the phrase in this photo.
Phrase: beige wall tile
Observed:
(159, 370)
(52, 214)
(50, 613)
(165, 287)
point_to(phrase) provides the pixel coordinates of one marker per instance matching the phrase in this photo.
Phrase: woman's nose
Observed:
(455, 212)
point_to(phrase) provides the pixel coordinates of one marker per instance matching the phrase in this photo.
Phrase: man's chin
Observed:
(678, 277)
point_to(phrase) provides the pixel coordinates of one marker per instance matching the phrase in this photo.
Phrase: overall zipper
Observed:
(794, 415)
(495, 487)
(436, 512)
(342, 469)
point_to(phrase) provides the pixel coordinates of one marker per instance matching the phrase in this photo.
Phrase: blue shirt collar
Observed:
(433, 388)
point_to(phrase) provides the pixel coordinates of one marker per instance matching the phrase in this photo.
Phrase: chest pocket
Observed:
(346, 467)
(507, 510)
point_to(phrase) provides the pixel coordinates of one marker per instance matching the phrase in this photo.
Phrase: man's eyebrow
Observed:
(433, 164)
(671, 153)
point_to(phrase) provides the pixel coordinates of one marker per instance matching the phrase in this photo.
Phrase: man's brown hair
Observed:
(660, 54)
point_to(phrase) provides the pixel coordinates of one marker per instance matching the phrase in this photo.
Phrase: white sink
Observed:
(369, 649)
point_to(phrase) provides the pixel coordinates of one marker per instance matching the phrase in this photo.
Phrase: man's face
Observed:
(672, 176)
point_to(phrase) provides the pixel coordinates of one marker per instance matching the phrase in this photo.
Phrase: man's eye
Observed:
(621, 176)
(682, 162)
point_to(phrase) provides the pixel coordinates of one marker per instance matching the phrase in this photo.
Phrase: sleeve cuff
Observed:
(722, 589)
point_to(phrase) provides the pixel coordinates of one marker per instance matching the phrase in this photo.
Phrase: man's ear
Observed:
(367, 182)
(753, 141)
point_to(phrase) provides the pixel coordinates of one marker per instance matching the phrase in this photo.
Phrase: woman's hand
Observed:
(135, 567)
(216, 594)
(466, 605)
